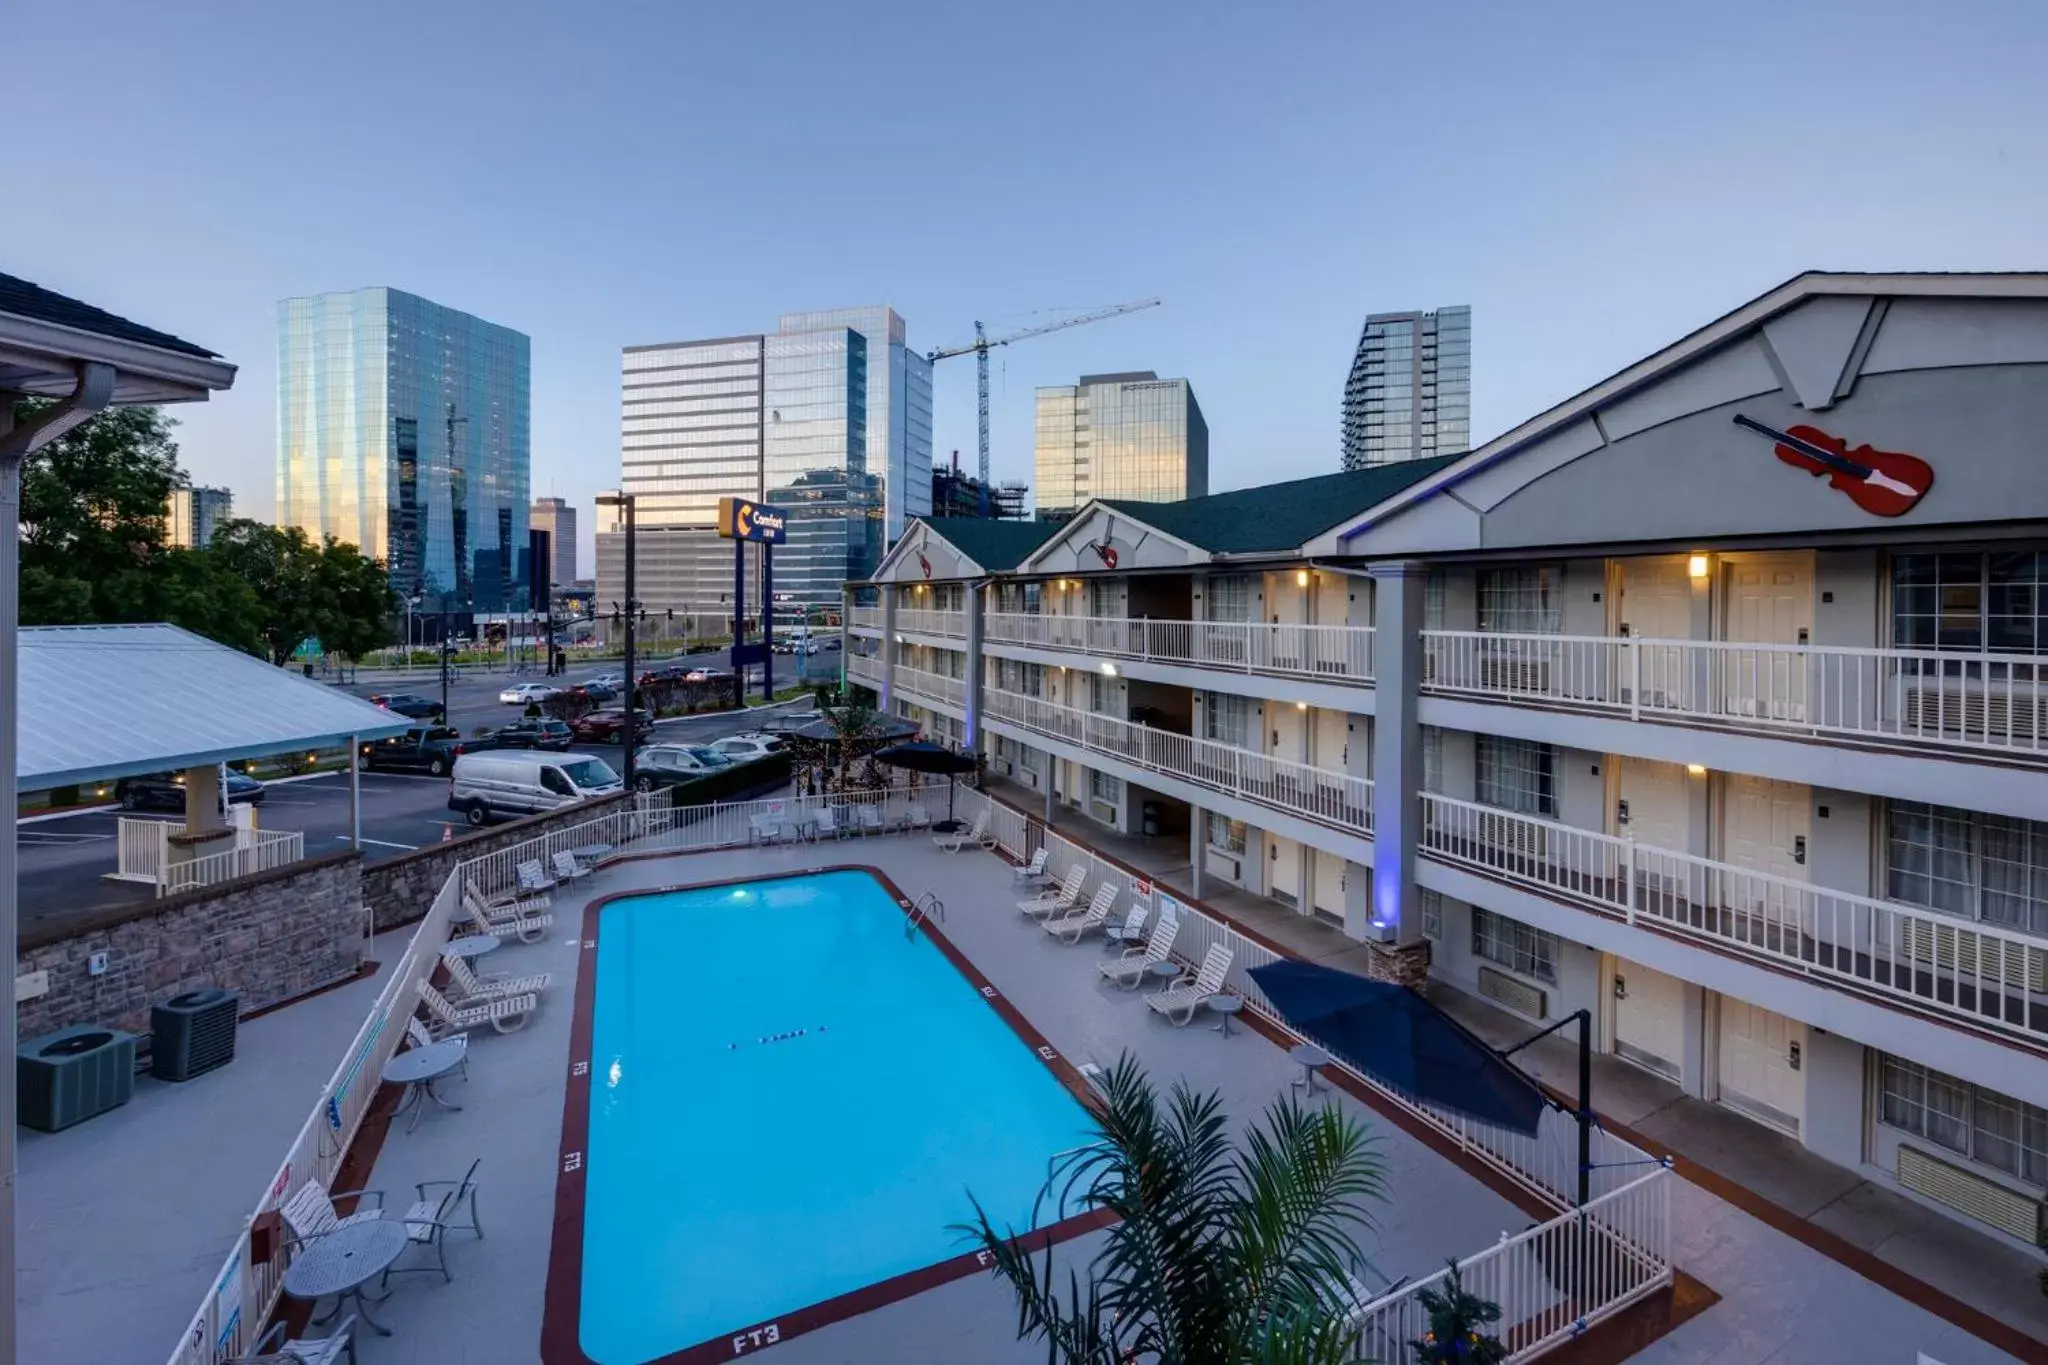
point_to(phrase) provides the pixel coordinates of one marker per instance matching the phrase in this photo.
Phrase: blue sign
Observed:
(745, 519)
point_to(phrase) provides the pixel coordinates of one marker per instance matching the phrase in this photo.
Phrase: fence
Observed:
(936, 686)
(1333, 653)
(864, 618)
(930, 621)
(263, 850)
(1925, 960)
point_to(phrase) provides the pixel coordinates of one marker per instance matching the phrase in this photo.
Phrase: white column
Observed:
(1198, 840)
(971, 681)
(1397, 752)
(355, 794)
(888, 706)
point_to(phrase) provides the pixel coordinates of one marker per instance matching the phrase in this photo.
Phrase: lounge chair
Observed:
(473, 989)
(868, 820)
(509, 922)
(534, 879)
(1075, 927)
(310, 1213)
(276, 1344)
(429, 1217)
(419, 1035)
(506, 1014)
(1179, 1001)
(1130, 968)
(1034, 871)
(567, 869)
(952, 841)
(1061, 899)
(509, 903)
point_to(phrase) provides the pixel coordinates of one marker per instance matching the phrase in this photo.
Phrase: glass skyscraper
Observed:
(1409, 394)
(1133, 436)
(403, 428)
(899, 409)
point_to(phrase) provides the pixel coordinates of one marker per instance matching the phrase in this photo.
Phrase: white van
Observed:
(513, 783)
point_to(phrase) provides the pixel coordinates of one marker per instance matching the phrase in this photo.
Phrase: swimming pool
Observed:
(785, 1102)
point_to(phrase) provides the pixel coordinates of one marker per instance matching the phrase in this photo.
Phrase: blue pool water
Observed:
(731, 1180)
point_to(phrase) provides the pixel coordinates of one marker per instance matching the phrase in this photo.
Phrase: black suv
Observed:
(429, 749)
(531, 733)
(408, 704)
(166, 791)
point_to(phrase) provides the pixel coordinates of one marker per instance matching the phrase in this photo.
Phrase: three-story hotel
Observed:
(1714, 700)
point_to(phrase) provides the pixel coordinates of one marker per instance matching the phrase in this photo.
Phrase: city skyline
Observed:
(1409, 393)
(1129, 435)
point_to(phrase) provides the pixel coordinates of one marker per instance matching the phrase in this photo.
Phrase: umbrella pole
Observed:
(1584, 1019)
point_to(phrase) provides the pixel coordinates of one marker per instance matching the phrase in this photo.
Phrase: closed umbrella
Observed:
(923, 756)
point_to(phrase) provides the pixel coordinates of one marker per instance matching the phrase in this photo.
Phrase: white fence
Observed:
(927, 621)
(1932, 698)
(864, 668)
(864, 618)
(918, 682)
(1331, 653)
(263, 850)
(1936, 963)
(1332, 798)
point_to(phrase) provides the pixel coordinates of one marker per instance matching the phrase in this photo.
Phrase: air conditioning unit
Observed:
(1105, 811)
(1519, 996)
(1514, 675)
(68, 1076)
(193, 1033)
(1957, 949)
(1512, 833)
(1224, 865)
(1928, 707)
(1970, 1194)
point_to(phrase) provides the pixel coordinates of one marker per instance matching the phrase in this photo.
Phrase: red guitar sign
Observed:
(1884, 483)
(924, 564)
(1105, 552)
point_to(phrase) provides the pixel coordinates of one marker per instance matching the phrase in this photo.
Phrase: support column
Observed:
(1198, 840)
(971, 679)
(889, 591)
(1395, 917)
(355, 787)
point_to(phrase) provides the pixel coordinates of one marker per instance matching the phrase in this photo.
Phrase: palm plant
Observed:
(1459, 1326)
(1222, 1253)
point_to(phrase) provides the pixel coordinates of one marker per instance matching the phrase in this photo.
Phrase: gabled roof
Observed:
(1277, 517)
(25, 299)
(185, 702)
(47, 340)
(997, 546)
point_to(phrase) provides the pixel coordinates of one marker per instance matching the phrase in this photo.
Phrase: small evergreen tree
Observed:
(1459, 1326)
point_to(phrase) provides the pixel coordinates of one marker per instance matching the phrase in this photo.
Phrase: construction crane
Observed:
(983, 344)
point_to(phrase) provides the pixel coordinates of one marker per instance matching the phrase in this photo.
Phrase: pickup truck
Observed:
(429, 749)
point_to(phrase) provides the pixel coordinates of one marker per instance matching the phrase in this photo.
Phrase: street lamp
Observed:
(624, 501)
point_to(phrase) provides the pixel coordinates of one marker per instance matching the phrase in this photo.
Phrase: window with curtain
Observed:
(1105, 786)
(1433, 600)
(1514, 945)
(1975, 602)
(1432, 903)
(1997, 1130)
(1227, 719)
(1224, 833)
(1105, 597)
(1525, 601)
(1516, 774)
(1984, 867)
(1229, 597)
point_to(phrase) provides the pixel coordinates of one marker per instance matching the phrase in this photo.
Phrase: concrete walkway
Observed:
(1909, 1240)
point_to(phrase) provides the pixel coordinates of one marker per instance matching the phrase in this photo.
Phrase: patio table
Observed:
(470, 946)
(419, 1068)
(590, 853)
(341, 1262)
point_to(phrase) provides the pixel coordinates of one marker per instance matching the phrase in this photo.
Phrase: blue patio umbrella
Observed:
(1401, 1040)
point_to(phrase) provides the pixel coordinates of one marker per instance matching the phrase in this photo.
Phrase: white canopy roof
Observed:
(100, 702)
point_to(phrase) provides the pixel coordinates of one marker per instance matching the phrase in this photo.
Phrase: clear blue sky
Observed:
(1594, 179)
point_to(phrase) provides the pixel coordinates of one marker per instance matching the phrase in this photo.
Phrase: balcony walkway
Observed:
(1793, 1237)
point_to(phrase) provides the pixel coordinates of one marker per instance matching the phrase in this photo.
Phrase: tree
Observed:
(1220, 1254)
(1458, 1327)
(330, 591)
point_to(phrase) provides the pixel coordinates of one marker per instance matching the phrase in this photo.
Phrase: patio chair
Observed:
(1075, 927)
(1060, 899)
(954, 840)
(764, 829)
(567, 869)
(868, 820)
(1179, 1001)
(917, 817)
(419, 1035)
(429, 1218)
(309, 1213)
(1130, 968)
(824, 821)
(1132, 931)
(474, 988)
(534, 879)
(1034, 871)
(505, 901)
(508, 921)
(276, 1344)
(506, 1014)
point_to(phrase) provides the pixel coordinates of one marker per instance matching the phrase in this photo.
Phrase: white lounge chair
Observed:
(1179, 1001)
(473, 989)
(506, 1014)
(1061, 899)
(276, 1344)
(419, 1035)
(509, 903)
(952, 841)
(1129, 969)
(1075, 927)
(567, 869)
(518, 921)
(534, 879)
(868, 820)
(1034, 871)
(917, 817)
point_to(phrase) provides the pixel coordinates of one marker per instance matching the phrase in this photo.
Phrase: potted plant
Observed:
(1459, 1327)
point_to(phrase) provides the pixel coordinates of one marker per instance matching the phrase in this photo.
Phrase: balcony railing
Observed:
(1934, 963)
(864, 668)
(864, 618)
(1332, 798)
(1330, 653)
(916, 682)
(1923, 698)
(928, 621)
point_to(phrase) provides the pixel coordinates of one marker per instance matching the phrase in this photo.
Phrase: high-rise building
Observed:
(193, 514)
(1131, 435)
(956, 493)
(558, 518)
(831, 413)
(1409, 395)
(403, 428)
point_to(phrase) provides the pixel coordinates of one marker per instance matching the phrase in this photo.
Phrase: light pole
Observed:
(624, 501)
(410, 603)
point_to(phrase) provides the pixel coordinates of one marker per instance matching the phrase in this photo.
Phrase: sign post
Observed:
(739, 521)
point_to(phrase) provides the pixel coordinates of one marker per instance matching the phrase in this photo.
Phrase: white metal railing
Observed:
(142, 848)
(260, 851)
(864, 668)
(931, 621)
(1938, 964)
(1551, 1282)
(1930, 698)
(919, 682)
(1330, 653)
(1334, 798)
(864, 618)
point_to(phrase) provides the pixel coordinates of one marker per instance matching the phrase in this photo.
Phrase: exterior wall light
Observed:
(1696, 566)
(1108, 669)
(1301, 578)
(1696, 769)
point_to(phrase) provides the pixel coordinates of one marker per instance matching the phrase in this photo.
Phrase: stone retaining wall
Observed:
(271, 936)
(400, 889)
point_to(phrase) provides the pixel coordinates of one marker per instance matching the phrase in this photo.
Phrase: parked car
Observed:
(610, 681)
(741, 748)
(706, 674)
(596, 692)
(664, 765)
(606, 725)
(521, 694)
(166, 791)
(429, 749)
(486, 786)
(529, 733)
(408, 704)
(832, 642)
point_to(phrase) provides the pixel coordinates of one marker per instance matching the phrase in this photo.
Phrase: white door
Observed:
(1288, 731)
(1656, 604)
(1283, 868)
(1761, 1056)
(1770, 602)
(1333, 738)
(1649, 1018)
(1328, 872)
(1767, 824)
(1657, 796)
(1287, 606)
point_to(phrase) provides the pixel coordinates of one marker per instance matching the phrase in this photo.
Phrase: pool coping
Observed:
(562, 1304)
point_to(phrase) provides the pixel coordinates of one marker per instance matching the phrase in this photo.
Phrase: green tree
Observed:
(358, 608)
(1221, 1254)
(330, 591)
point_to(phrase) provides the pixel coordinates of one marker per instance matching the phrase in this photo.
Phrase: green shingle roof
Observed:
(1277, 517)
(995, 545)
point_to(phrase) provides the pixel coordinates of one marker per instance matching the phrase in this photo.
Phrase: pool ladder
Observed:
(927, 906)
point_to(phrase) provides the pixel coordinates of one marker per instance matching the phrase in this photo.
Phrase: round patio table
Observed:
(1163, 972)
(419, 1068)
(1225, 1006)
(1309, 1058)
(341, 1262)
(470, 946)
(590, 853)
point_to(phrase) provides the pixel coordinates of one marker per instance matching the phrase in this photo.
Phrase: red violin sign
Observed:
(1884, 483)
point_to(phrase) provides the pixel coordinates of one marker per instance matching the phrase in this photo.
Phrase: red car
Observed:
(607, 725)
